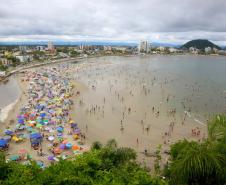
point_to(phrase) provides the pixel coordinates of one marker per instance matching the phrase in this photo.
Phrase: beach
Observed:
(21, 123)
(133, 100)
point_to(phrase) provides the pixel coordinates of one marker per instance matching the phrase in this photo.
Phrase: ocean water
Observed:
(199, 82)
(9, 93)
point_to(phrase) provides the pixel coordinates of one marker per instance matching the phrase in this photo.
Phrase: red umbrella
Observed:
(22, 151)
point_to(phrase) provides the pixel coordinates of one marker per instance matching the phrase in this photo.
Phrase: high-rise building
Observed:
(50, 46)
(144, 47)
(23, 48)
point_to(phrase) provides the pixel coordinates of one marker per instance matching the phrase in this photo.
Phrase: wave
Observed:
(5, 110)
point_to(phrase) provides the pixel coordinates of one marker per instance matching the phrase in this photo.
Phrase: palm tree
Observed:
(112, 143)
(217, 128)
(197, 164)
(96, 145)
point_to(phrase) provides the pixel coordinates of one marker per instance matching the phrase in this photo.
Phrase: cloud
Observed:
(126, 20)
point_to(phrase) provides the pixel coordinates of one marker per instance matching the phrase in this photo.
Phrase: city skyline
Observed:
(113, 21)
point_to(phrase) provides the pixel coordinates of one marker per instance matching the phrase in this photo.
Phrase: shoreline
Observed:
(14, 106)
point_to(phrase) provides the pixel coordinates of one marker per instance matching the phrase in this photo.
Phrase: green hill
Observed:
(200, 44)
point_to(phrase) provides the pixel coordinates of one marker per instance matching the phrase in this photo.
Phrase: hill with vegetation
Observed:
(200, 44)
(191, 163)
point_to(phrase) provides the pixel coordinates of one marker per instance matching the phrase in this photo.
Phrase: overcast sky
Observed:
(172, 21)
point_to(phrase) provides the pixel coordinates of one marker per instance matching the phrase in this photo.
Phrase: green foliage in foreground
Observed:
(103, 166)
(194, 163)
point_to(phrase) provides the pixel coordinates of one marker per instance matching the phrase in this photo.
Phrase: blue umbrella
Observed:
(68, 145)
(73, 125)
(8, 132)
(35, 136)
(21, 121)
(43, 115)
(60, 129)
(3, 142)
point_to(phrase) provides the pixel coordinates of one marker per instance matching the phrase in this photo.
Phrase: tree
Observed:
(96, 145)
(195, 163)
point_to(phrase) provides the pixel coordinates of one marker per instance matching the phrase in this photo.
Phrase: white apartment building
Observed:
(144, 47)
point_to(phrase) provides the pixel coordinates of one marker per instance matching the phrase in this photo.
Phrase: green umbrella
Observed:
(39, 125)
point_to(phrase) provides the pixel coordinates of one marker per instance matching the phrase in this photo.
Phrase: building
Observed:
(144, 47)
(193, 50)
(23, 49)
(208, 49)
(173, 50)
(25, 58)
(40, 48)
(2, 73)
(107, 48)
(5, 62)
(50, 46)
(161, 48)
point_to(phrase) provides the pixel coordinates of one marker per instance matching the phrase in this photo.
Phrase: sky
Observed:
(168, 21)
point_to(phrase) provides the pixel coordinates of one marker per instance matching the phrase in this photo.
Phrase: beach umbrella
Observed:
(43, 115)
(51, 138)
(14, 157)
(68, 145)
(40, 164)
(62, 146)
(57, 150)
(17, 126)
(60, 129)
(39, 125)
(75, 147)
(64, 142)
(60, 134)
(73, 125)
(21, 121)
(35, 136)
(46, 121)
(19, 117)
(77, 131)
(15, 138)
(3, 142)
(50, 158)
(7, 138)
(21, 127)
(8, 132)
(22, 151)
